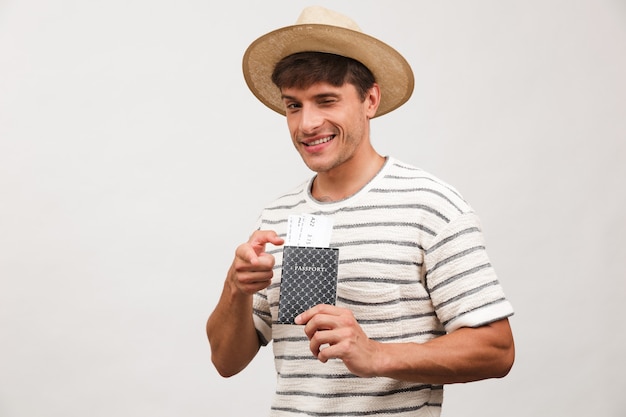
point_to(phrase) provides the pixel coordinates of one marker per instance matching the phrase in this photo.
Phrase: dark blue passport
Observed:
(309, 278)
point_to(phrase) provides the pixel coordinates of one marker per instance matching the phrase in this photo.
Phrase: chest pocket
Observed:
(377, 308)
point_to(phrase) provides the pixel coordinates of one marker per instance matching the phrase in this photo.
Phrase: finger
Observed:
(246, 253)
(262, 265)
(327, 351)
(251, 251)
(249, 280)
(259, 238)
(254, 285)
(322, 340)
(306, 316)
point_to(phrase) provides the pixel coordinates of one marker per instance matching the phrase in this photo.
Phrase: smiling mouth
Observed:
(320, 141)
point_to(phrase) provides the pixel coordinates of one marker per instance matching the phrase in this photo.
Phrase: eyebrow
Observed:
(317, 96)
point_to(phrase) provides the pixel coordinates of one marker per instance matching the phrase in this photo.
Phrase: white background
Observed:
(133, 160)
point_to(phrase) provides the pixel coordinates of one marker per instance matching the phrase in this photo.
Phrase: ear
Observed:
(372, 100)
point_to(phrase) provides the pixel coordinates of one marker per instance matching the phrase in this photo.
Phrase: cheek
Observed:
(292, 126)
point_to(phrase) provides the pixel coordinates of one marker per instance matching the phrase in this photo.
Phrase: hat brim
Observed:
(391, 71)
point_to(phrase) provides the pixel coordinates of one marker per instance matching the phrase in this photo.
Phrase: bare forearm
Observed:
(461, 356)
(231, 332)
(230, 329)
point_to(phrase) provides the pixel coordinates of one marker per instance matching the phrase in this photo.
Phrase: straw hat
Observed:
(322, 30)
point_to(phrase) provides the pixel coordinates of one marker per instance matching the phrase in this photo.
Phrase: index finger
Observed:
(255, 246)
(259, 238)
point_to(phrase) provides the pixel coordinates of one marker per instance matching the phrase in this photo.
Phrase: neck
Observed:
(345, 181)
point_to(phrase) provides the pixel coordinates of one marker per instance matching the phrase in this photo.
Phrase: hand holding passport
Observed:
(309, 270)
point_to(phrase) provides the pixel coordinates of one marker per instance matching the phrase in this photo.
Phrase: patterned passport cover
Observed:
(309, 278)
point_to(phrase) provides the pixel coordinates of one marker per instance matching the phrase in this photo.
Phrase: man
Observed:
(418, 303)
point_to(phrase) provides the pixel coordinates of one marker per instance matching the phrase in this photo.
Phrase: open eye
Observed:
(292, 106)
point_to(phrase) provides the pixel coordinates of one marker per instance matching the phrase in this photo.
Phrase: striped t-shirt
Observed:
(412, 267)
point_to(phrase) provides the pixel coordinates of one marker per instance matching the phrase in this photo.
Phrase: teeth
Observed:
(320, 141)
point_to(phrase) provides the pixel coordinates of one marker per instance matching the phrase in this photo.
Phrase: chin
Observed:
(318, 167)
(315, 166)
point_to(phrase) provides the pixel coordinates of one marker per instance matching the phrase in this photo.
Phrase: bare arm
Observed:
(230, 328)
(467, 354)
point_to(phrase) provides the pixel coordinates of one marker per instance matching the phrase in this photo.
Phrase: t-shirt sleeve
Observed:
(462, 283)
(260, 305)
(262, 317)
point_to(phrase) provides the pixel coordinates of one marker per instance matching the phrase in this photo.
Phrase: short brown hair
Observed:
(303, 69)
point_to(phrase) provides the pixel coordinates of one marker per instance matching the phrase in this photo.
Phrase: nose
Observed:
(310, 119)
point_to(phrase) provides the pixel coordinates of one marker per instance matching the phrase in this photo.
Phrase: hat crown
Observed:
(318, 15)
(322, 30)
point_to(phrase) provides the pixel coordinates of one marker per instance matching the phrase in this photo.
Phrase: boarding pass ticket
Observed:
(309, 230)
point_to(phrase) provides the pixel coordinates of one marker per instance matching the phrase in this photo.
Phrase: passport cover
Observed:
(309, 277)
